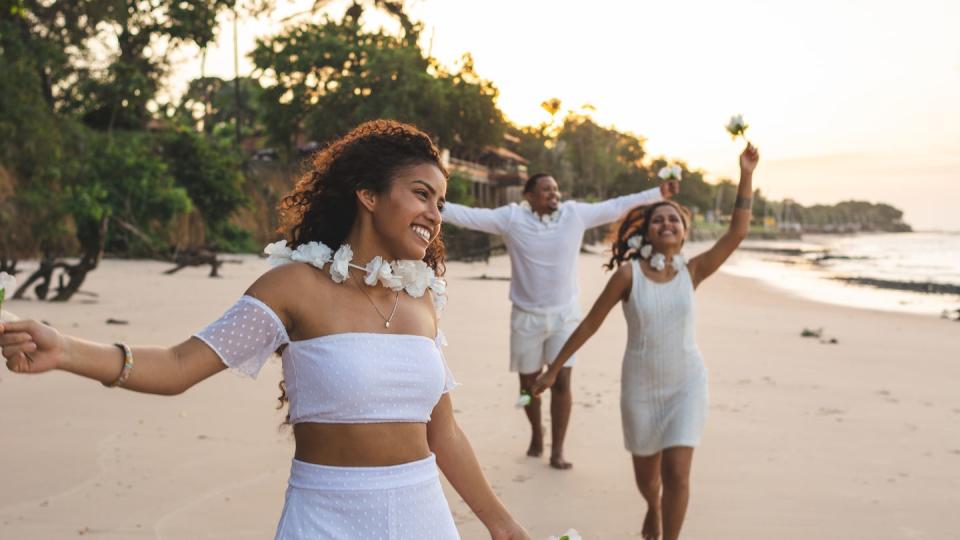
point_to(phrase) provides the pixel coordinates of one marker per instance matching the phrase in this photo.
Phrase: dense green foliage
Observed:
(94, 158)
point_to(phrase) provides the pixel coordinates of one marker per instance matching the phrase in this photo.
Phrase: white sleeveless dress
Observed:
(663, 394)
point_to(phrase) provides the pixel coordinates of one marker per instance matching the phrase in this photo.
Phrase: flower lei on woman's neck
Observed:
(546, 219)
(658, 261)
(412, 277)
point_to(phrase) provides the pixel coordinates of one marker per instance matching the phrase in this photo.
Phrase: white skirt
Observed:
(399, 502)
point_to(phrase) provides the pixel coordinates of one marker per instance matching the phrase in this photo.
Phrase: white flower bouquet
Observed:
(736, 127)
(670, 172)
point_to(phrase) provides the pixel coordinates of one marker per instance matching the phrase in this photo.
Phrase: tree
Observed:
(320, 80)
(74, 75)
(209, 170)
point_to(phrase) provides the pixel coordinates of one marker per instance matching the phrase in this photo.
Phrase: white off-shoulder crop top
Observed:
(338, 378)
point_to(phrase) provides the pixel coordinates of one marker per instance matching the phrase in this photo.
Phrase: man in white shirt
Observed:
(543, 239)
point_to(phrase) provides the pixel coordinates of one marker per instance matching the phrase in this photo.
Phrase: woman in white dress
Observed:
(664, 381)
(367, 384)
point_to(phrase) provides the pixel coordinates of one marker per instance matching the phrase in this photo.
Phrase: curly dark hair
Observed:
(323, 205)
(636, 223)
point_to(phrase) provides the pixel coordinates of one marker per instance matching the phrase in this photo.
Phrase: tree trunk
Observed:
(93, 252)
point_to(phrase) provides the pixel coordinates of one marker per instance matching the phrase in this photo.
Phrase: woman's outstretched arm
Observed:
(705, 264)
(617, 289)
(32, 347)
(459, 464)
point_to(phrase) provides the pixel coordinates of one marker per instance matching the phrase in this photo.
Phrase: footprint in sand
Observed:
(955, 451)
(744, 381)
(521, 478)
(828, 411)
(887, 396)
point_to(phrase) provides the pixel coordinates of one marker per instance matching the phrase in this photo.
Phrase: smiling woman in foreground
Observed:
(352, 308)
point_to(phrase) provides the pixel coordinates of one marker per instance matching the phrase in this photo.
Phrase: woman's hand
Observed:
(544, 381)
(512, 532)
(31, 347)
(749, 159)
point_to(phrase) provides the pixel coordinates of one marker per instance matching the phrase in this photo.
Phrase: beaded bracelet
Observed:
(127, 366)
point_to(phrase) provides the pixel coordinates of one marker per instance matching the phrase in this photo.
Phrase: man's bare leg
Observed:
(561, 403)
(646, 471)
(533, 415)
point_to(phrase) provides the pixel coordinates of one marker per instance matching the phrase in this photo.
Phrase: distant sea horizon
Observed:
(915, 272)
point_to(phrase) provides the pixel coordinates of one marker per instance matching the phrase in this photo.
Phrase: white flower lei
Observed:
(413, 277)
(658, 261)
(546, 219)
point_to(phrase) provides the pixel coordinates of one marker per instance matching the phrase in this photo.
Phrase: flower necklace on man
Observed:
(546, 219)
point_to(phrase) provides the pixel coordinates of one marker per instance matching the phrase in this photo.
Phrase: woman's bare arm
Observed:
(617, 289)
(705, 264)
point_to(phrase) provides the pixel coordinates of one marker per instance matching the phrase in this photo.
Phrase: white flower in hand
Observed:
(524, 399)
(7, 282)
(278, 253)
(571, 534)
(658, 262)
(340, 267)
(646, 250)
(313, 253)
(737, 127)
(671, 172)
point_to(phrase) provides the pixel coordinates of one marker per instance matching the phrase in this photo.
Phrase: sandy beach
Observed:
(859, 439)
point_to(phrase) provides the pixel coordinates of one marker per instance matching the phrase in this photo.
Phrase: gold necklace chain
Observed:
(386, 320)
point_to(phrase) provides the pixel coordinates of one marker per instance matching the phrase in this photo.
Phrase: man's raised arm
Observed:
(610, 210)
(488, 220)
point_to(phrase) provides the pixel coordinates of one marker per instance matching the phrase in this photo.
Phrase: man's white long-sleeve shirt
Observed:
(543, 256)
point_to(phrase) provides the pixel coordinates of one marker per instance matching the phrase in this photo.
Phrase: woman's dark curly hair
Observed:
(636, 223)
(323, 205)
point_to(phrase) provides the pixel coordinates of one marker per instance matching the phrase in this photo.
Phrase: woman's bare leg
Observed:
(675, 471)
(646, 471)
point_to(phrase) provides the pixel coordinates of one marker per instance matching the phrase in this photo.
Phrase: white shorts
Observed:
(400, 502)
(536, 338)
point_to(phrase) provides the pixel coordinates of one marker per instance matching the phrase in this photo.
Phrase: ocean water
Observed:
(862, 270)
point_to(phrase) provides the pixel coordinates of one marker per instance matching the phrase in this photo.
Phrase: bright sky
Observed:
(845, 98)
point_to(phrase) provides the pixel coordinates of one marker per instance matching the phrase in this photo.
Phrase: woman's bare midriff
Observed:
(361, 445)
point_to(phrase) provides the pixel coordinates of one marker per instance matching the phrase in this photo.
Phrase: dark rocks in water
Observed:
(912, 286)
(790, 252)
